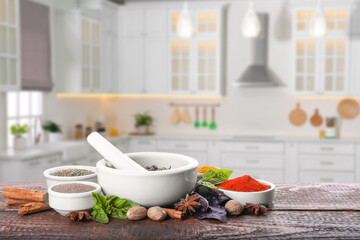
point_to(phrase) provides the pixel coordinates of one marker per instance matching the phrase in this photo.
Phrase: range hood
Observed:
(258, 74)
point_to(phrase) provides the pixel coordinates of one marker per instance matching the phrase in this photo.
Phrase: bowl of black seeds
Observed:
(72, 196)
(70, 173)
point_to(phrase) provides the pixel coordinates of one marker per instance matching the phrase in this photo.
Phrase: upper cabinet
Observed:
(321, 66)
(195, 64)
(9, 45)
(91, 58)
(78, 53)
(143, 51)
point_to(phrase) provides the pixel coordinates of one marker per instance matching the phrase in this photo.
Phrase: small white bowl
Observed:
(151, 188)
(263, 197)
(64, 203)
(51, 180)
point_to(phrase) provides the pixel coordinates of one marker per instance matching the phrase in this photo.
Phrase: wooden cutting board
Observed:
(297, 116)
(186, 118)
(176, 116)
(316, 120)
(348, 108)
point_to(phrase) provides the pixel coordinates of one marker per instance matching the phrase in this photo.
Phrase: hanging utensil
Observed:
(316, 120)
(204, 123)
(348, 108)
(176, 116)
(186, 118)
(213, 125)
(197, 123)
(297, 116)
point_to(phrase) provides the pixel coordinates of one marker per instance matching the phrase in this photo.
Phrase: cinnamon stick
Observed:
(33, 207)
(25, 194)
(174, 213)
(12, 201)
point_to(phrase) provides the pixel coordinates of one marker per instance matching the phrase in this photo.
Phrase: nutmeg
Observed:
(136, 213)
(156, 213)
(234, 207)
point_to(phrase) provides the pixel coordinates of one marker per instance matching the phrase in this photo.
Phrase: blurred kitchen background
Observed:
(268, 88)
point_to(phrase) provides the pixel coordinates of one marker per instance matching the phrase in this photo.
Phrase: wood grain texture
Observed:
(286, 220)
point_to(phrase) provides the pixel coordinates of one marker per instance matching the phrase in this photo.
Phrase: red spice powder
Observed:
(243, 184)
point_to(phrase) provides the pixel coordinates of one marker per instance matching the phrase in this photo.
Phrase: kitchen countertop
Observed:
(300, 210)
(53, 148)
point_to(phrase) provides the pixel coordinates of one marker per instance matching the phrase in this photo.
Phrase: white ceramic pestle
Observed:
(112, 154)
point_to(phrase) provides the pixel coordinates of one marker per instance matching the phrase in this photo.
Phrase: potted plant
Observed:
(18, 131)
(52, 131)
(143, 122)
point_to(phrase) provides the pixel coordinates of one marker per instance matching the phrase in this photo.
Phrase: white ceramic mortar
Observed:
(151, 188)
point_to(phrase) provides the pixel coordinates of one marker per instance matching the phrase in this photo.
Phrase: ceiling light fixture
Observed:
(185, 26)
(90, 4)
(251, 24)
(318, 25)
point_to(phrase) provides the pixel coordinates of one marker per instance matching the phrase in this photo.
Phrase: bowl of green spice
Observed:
(70, 173)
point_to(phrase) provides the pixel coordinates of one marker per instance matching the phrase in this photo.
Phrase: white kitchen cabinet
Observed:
(263, 160)
(28, 170)
(79, 53)
(196, 63)
(195, 149)
(327, 162)
(9, 45)
(326, 177)
(321, 66)
(132, 80)
(143, 51)
(109, 47)
(142, 145)
(91, 55)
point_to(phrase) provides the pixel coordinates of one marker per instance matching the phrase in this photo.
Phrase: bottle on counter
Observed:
(79, 131)
(331, 129)
(88, 130)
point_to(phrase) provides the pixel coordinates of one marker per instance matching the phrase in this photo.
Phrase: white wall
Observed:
(260, 111)
(2, 121)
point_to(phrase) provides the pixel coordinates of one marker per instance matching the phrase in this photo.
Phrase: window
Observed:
(24, 108)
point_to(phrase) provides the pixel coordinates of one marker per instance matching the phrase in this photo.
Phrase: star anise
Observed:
(255, 209)
(189, 204)
(79, 216)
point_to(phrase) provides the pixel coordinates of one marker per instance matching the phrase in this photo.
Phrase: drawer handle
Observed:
(252, 160)
(326, 180)
(181, 145)
(252, 147)
(327, 163)
(34, 163)
(327, 149)
(52, 160)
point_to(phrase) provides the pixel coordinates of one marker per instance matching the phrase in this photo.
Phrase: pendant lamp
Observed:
(185, 26)
(251, 24)
(318, 25)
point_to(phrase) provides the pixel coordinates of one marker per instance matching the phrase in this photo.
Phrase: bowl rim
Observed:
(272, 188)
(74, 195)
(47, 172)
(192, 163)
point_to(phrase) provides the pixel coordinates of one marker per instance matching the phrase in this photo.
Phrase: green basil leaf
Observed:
(119, 206)
(99, 215)
(119, 213)
(112, 206)
(218, 174)
(207, 184)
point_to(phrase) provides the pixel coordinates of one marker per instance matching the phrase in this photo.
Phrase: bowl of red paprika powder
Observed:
(246, 189)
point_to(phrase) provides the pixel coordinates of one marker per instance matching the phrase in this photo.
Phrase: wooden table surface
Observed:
(300, 211)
